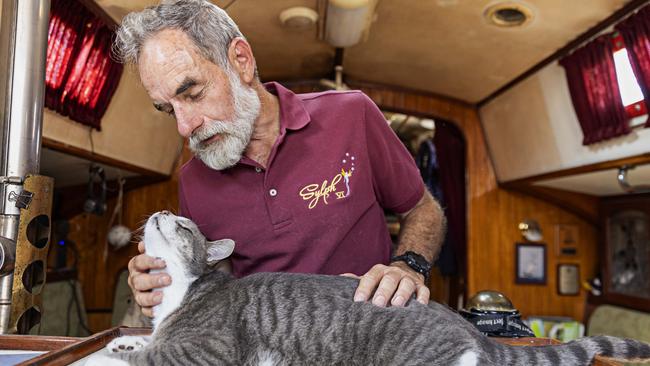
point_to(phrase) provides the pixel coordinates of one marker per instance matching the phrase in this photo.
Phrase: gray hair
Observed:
(209, 26)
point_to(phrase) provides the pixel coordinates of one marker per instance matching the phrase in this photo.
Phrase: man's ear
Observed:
(219, 249)
(241, 58)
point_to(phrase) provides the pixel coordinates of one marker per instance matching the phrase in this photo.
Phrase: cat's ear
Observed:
(219, 249)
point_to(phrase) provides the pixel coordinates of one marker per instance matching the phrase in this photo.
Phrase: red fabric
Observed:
(80, 75)
(636, 33)
(594, 91)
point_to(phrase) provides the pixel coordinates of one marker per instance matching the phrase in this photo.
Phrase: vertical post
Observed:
(23, 48)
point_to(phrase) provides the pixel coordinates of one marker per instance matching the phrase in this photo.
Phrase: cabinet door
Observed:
(627, 251)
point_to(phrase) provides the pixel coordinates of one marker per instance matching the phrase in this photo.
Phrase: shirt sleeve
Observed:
(396, 179)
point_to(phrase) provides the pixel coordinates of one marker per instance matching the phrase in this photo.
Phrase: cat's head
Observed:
(178, 240)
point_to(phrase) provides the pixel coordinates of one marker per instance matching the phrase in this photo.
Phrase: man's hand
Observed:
(143, 284)
(396, 282)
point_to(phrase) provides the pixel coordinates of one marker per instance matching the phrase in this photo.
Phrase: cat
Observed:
(210, 318)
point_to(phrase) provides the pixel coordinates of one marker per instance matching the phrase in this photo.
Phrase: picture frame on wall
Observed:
(568, 279)
(567, 237)
(530, 263)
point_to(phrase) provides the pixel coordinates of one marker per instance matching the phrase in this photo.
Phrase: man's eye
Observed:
(196, 96)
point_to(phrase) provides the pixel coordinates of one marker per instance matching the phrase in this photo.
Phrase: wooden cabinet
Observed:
(625, 254)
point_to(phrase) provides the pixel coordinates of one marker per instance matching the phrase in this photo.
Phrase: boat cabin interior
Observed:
(518, 134)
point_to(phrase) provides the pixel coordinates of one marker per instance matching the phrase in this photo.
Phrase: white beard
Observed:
(235, 133)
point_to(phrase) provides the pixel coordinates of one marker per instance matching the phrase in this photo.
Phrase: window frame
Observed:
(635, 109)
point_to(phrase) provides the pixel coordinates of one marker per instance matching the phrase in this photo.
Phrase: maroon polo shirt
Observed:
(319, 205)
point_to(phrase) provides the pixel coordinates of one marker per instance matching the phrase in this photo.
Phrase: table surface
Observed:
(70, 350)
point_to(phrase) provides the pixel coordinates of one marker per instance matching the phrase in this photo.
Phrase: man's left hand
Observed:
(395, 283)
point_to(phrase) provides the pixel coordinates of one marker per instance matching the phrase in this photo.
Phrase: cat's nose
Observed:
(164, 212)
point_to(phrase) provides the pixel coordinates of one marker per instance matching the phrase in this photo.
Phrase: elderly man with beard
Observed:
(299, 181)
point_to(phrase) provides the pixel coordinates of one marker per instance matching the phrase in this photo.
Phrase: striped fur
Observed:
(300, 319)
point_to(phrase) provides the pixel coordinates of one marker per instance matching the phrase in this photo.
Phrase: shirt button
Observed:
(258, 169)
(273, 192)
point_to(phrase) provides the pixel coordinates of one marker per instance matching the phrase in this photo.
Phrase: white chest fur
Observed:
(172, 297)
(172, 294)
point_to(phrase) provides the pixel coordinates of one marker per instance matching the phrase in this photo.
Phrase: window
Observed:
(631, 94)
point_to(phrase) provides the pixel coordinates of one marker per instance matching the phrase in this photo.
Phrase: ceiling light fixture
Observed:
(347, 21)
(508, 14)
(298, 18)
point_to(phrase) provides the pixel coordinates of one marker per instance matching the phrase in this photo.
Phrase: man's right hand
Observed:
(144, 284)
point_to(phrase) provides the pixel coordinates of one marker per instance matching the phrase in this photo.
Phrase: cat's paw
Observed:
(126, 344)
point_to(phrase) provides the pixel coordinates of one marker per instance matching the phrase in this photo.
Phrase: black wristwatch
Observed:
(417, 262)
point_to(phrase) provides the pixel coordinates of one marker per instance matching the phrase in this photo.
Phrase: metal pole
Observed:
(23, 47)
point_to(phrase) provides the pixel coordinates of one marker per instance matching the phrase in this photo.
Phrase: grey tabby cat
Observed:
(300, 319)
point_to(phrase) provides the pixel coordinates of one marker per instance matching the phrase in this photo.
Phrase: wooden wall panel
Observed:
(494, 213)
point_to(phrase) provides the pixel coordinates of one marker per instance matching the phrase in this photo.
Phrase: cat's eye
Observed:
(180, 226)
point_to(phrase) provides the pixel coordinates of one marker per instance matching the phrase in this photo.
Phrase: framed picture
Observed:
(568, 279)
(567, 237)
(530, 263)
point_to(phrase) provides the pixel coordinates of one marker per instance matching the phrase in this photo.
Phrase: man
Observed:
(299, 182)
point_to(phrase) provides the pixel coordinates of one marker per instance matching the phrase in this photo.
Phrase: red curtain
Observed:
(80, 75)
(594, 91)
(636, 34)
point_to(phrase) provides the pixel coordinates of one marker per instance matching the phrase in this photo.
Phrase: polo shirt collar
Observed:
(293, 115)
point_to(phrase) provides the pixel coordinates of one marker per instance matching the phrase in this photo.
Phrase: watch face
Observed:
(418, 260)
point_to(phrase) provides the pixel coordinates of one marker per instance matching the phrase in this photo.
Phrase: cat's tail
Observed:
(579, 352)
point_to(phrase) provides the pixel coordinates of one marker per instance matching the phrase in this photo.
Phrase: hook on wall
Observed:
(625, 185)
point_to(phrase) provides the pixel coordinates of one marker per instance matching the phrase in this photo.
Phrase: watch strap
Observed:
(416, 262)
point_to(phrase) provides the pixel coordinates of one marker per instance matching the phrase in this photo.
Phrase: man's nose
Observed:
(186, 122)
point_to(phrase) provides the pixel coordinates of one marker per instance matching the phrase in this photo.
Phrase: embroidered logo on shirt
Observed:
(314, 192)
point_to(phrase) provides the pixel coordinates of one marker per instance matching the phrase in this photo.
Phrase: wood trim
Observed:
(536, 342)
(99, 12)
(583, 205)
(527, 341)
(85, 154)
(35, 343)
(83, 347)
(626, 301)
(593, 302)
(641, 159)
(562, 52)
(359, 84)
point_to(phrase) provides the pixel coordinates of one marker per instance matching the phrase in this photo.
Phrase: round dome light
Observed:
(298, 17)
(508, 14)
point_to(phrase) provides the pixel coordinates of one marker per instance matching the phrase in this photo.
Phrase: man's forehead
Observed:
(166, 60)
(166, 45)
